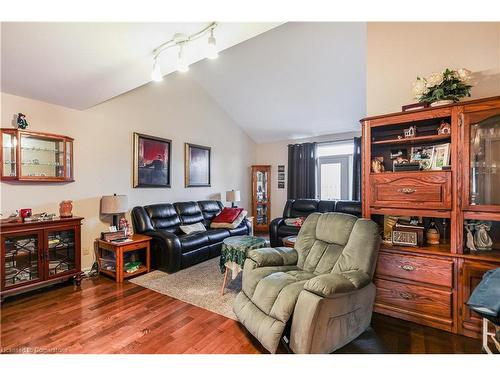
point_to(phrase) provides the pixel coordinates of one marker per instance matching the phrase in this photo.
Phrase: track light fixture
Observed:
(181, 41)
(156, 73)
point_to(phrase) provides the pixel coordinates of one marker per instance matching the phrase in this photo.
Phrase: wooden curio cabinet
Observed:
(430, 283)
(261, 197)
(35, 254)
(33, 156)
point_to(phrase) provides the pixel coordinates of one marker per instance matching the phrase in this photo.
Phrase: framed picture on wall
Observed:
(197, 165)
(152, 162)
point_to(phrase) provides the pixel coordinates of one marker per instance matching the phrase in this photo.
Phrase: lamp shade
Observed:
(233, 196)
(114, 204)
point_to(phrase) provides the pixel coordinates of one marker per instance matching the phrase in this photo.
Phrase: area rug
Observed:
(199, 285)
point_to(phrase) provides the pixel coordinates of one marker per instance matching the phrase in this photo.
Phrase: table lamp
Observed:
(233, 196)
(114, 205)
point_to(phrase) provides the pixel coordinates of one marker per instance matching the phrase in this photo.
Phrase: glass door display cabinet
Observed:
(34, 254)
(261, 200)
(31, 156)
(482, 160)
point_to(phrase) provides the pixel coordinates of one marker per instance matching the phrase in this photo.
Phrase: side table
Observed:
(110, 256)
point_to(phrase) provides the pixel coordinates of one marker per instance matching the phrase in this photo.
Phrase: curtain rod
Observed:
(336, 140)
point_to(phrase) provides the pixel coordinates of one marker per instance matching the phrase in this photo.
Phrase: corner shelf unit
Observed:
(430, 284)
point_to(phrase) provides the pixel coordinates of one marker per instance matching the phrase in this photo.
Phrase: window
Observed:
(335, 170)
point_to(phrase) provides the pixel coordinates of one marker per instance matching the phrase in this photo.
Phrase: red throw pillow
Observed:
(227, 215)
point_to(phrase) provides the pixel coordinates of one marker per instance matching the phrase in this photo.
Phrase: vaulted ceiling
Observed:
(79, 65)
(298, 80)
(276, 81)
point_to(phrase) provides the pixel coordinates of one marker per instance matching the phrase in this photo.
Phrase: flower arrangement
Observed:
(447, 85)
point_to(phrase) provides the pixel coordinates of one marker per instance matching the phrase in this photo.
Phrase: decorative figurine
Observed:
(470, 238)
(410, 132)
(123, 225)
(444, 128)
(21, 121)
(378, 164)
(432, 235)
(66, 208)
(481, 238)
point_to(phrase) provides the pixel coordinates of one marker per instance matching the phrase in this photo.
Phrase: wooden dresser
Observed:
(430, 284)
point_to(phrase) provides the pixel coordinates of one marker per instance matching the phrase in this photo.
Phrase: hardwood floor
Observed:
(104, 317)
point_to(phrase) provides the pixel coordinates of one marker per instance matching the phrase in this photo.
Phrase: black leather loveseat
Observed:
(171, 249)
(295, 208)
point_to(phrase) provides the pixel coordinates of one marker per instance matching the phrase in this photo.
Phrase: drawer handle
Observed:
(406, 295)
(407, 267)
(407, 190)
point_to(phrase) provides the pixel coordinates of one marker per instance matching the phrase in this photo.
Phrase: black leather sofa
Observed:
(171, 249)
(302, 208)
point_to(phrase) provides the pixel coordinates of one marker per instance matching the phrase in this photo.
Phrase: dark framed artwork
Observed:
(152, 161)
(197, 165)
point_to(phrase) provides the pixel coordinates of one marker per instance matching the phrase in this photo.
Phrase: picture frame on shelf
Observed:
(424, 155)
(197, 165)
(152, 161)
(441, 156)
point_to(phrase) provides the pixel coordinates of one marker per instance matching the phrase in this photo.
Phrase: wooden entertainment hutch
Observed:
(430, 284)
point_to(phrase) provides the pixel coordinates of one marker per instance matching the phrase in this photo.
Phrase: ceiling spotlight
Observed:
(182, 40)
(212, 52)
(156, 73)
(182, 65)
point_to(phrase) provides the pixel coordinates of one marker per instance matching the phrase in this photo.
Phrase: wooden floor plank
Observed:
(105, 317)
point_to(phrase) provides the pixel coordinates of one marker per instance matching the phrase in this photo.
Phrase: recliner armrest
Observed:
(170, 257)
(168, 239)
(273, 231)
(333, 283)
(279, 256)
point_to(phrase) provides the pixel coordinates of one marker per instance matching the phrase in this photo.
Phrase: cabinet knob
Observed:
(407, 267)
(407, 190)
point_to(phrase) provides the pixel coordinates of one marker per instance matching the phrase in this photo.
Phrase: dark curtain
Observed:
(356, 175)
(302, 171)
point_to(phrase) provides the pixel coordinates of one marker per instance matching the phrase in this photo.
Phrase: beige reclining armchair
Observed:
(325, 282)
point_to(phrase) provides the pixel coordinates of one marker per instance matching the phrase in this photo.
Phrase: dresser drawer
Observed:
(427, 189)
(414, 298)
(416, 268)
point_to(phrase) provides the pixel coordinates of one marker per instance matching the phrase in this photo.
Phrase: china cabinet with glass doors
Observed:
(462, 198)
(33, 156)
(35, 254)
(261, 197)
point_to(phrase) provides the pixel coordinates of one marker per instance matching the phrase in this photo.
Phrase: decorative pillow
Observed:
(232, 225)
(227, 215)
(191, 228)
(295, 222)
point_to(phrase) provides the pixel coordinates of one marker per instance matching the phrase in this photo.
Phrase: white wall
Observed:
(276, 153)
(177, 109)
(399, 52)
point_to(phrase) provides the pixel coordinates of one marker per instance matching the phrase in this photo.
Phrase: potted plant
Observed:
(443, 88)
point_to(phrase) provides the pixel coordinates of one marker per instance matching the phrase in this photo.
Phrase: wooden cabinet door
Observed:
(471, 274)
(62, 251)
(22, 259)
(481, 159)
